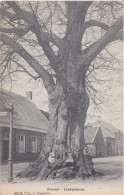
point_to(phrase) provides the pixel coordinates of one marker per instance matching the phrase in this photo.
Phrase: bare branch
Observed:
(26, 71)
(43, 38)
(10, 16)
(31, 21)
(7, 58)
(111, 35)
(20, 32)
(91, 23)
(44, 74)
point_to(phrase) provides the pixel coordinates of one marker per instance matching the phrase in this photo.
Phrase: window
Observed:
(34, 143)
(6, 135)
(21, 143)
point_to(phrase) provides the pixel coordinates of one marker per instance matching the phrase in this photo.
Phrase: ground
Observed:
(111, 167)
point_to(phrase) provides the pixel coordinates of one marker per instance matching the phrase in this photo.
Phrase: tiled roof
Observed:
(90, 133)
(25, 114)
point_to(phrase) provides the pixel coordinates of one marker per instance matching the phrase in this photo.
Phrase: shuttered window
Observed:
(43, 141)
(27, 143)
(21, 143)
(34, 144)
(39, 143)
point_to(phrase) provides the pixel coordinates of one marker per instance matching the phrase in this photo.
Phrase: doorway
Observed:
(109, 149)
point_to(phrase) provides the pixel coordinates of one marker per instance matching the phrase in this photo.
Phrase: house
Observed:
(94, 140)
(101, 139)
(113, 137)
(29, 127)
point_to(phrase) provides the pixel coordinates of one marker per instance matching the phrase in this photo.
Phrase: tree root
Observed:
(42, 170)
(33, 168)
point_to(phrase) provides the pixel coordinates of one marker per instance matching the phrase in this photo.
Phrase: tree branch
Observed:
(31, 20)
(119, 36)
(113, 33)
(91, 23)
(12, 17)
(6, 59)
(22, 14)
(26, 71)
(43, 38)
(20, 32)
(44, 74)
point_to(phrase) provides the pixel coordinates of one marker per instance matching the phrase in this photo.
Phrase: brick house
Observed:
(94, 140)
(113, 137)
(29, 127)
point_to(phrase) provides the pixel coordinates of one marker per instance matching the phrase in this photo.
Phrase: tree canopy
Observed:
(33, 34)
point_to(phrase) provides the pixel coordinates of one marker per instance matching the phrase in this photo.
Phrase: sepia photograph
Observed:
(61, 97)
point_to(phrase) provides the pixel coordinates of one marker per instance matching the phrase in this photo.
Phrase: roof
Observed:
(108, 130)
(90, 133)
(46, 114)
(109, 127)
(106, 133)
(25, 114)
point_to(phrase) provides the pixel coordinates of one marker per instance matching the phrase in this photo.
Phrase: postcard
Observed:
(61, 97)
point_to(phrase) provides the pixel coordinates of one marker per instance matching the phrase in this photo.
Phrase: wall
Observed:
(110, 146)
(119, 143)
(100, 144)
(28, 155)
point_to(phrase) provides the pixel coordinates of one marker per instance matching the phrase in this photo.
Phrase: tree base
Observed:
(43, 170)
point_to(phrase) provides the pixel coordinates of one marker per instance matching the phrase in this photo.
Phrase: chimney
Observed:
(29, 95)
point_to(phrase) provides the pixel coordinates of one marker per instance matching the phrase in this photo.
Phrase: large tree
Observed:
(61, 43)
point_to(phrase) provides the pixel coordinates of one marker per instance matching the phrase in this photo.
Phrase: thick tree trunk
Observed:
(83, 105)
(56, 142)
(67, 111)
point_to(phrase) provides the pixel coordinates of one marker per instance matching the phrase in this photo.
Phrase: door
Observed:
(109, 149)
(5, 149)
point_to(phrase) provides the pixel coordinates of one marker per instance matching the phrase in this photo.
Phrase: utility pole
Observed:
(10, 160)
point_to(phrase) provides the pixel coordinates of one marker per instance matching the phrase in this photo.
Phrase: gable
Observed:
(90, 133)
(99, 137)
